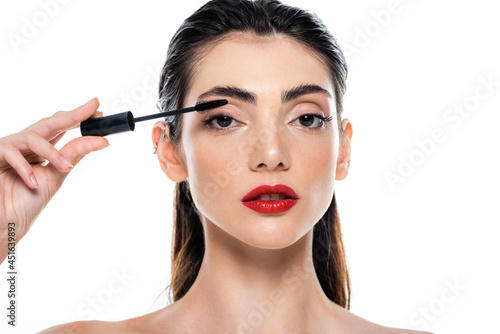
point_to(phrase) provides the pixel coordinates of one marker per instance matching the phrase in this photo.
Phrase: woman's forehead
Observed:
(259, 64)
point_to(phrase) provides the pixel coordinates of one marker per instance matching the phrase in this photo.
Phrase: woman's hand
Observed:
(26, 183)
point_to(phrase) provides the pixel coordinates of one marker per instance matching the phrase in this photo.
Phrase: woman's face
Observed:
(264, 138)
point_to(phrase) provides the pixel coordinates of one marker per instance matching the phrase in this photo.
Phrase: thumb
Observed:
(75, 150)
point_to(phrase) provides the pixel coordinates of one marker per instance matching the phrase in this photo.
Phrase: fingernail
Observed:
(65, 161)
(91, 100)
(101, 147)
(33, 181)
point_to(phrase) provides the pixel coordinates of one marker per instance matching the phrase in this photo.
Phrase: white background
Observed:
(405, 245)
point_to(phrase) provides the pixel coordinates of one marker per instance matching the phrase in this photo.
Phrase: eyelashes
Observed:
(219, 117)
(226, 121)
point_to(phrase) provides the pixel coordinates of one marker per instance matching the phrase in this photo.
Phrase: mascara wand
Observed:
(125, 121)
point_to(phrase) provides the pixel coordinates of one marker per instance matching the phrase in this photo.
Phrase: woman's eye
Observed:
(219, 122)
(312, 121)
(222, 122)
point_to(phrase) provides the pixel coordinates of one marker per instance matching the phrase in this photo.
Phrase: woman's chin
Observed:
(273, 236)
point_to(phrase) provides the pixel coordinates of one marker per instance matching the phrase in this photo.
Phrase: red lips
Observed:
(271, 206)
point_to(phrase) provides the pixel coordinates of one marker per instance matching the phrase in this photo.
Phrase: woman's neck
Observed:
(244, 289)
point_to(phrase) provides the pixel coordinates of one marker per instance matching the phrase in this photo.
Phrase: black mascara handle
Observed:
(103, 126)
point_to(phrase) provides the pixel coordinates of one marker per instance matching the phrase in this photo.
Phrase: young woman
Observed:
(260, 252)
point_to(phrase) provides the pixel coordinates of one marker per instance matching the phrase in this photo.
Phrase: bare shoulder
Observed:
(352, 323)
(84, 327)
(389, 330)
(151, 323)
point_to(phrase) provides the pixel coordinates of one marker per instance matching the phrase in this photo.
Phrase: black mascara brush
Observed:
(125, 121)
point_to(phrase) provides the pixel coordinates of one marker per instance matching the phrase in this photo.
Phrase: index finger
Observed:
(50, 127)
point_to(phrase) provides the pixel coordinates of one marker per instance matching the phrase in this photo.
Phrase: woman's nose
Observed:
(269, 149)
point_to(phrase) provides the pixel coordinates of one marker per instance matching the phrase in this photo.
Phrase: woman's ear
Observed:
(170, 163)
(343, 160)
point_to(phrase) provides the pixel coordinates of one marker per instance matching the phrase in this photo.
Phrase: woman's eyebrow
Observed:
(301, 90)
(229, 91)
(246, 96)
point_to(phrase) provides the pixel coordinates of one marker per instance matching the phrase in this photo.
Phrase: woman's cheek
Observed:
(326, 160)
(313, 151)
(212, 169)
(317, 166)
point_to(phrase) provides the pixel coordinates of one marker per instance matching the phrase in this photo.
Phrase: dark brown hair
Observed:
(211, 23)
